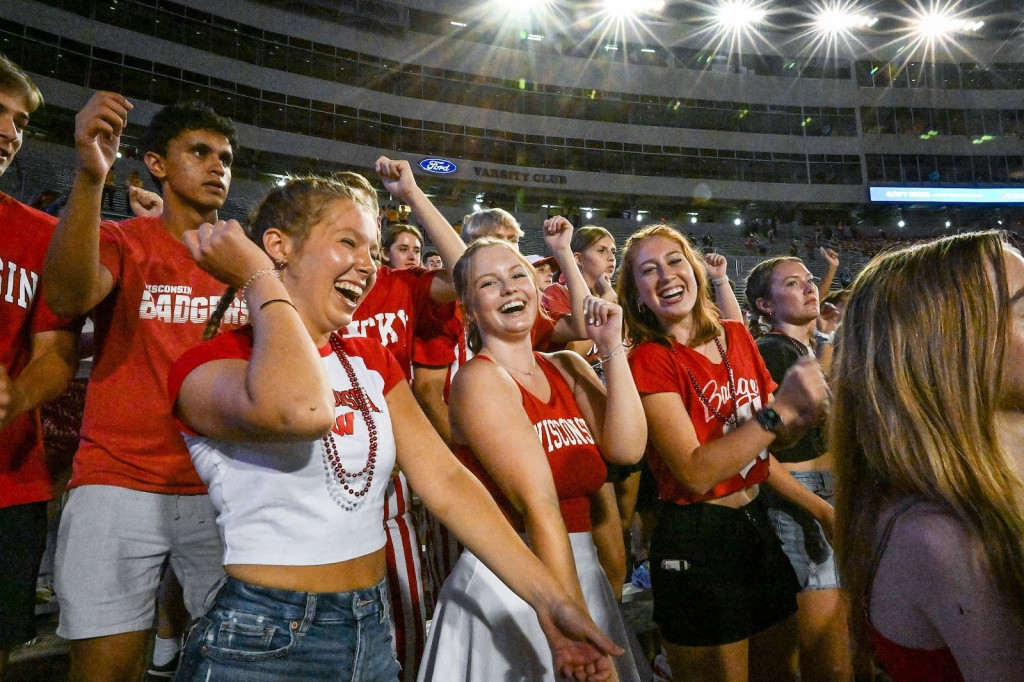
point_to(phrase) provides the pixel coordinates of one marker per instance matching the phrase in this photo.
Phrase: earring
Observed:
(639, 306)
(279, 264)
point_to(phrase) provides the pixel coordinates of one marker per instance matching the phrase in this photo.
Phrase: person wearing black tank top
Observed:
(782, 295)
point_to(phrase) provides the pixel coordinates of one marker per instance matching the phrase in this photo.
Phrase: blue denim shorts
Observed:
(803, 541)
(259, 634)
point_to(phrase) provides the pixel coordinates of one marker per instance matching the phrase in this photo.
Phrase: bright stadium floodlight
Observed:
(738, 15)
(840, 20)
(940, 24)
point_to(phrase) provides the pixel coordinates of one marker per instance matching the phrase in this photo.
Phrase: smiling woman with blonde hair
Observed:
(538, 429)
(927, 434)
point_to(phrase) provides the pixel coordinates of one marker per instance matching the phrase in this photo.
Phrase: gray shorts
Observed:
(803, 541)
(111, 545)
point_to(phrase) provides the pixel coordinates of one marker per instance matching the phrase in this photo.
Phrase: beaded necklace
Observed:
(800, 348)
(734, 418)
(333, 468)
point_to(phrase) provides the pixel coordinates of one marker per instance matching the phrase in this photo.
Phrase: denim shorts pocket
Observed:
(241, 636)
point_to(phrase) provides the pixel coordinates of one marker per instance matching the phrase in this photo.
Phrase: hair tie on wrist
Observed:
(719, 281)
(276, 300)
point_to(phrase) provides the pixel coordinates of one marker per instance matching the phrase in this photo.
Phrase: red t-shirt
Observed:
(156, 311)
(435, 337)
(391, 310)
(24, 237)
(577, 467)
(556, 300)
(557, 303)
(656, 369)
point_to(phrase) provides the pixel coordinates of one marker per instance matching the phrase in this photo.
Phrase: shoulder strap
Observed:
(906, 504)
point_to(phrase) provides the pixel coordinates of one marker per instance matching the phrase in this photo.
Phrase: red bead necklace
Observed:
(332, 460)
(734, 418)
(800, 348)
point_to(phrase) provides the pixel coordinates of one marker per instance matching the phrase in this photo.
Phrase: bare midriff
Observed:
(342, 576)
(738, 499)
(820, 463)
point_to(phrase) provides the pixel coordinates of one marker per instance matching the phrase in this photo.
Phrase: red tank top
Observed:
(576, 464)
(915, 665)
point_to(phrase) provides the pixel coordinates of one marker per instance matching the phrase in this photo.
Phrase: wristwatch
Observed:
(769, 420)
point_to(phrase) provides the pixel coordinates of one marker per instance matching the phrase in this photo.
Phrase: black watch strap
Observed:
(769, 420)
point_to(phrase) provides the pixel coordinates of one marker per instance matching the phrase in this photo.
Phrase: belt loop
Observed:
(211, 596)
(307, 619)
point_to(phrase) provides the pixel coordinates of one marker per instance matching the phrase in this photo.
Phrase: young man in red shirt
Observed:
(37, 359)
(135, 497)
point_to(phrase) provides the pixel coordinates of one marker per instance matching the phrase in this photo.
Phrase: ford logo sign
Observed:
(439, 166)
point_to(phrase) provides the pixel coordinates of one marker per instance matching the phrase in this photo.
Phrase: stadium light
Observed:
(939, 24)
(738, 15)
(837, 20)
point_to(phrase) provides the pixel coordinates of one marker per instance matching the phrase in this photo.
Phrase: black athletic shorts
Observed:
(718, 574)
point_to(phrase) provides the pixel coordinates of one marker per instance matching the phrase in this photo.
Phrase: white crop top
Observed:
(281, 503)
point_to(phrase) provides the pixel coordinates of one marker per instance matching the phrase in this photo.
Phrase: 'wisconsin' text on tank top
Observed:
(557, 433)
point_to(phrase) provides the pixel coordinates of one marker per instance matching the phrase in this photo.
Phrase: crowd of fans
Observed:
(267, 400)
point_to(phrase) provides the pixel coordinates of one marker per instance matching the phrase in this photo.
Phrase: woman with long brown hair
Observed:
(927, 435)
(722, 585)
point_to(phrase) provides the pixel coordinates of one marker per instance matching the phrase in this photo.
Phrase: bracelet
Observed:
(621, 349)
(822, 337)
(255, 276)
(719, 281)
(276, 300)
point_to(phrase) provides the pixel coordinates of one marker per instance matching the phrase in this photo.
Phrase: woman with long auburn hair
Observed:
(723, 588)
(927, 435)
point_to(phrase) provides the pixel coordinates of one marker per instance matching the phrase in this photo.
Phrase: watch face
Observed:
(769, 419)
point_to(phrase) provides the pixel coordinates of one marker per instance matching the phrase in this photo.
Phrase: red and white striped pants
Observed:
(405, 578)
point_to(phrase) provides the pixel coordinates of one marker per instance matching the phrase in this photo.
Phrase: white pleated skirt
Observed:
(482, 631)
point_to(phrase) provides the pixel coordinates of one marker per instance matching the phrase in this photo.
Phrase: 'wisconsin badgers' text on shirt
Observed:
(748, 398)
(173, 303)
(20, 280)
(557, 433)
